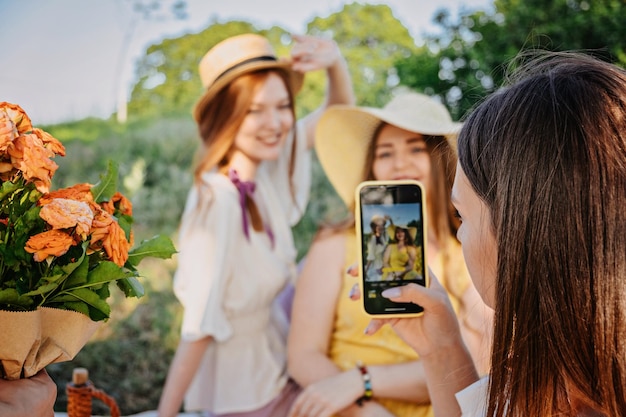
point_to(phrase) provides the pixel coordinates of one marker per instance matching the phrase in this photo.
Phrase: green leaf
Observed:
(79, 275)
(131, 287)
(78, 306)
(107, 186)
(106, 271)
(97, 315)
(11, 297)
(91, 299)
(158, 247)
(70, 267)
(43, 289)
(7, 188)
(54, 277)
(125, 223)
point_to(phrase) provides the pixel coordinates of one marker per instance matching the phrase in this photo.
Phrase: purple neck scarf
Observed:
(246, 190)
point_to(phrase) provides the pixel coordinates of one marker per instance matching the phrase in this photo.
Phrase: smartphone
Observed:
(391, 230)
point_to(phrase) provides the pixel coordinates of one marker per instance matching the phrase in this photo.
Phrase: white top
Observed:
(227, 284)
(473, 399)
(375, 254)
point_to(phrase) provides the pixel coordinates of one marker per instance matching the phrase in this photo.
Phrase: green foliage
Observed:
(154, 158)
(168, 80)
(87, 130)
(472, 52)
(372, 39)
(79, 278)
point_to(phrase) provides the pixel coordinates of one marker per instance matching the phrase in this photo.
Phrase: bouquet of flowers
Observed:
(59, 251)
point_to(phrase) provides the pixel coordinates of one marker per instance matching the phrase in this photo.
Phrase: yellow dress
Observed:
(349, 344)
(399, 258)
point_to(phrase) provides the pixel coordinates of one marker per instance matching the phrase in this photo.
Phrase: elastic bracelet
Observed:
(367, 384)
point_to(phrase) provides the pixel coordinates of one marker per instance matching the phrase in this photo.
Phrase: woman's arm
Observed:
(314, 53)
(313, 311)
(313, 317)
(182, 370)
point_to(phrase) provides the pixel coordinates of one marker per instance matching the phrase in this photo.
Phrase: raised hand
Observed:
(310, 53)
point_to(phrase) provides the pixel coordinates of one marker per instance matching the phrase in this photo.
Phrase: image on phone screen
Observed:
(391, 221)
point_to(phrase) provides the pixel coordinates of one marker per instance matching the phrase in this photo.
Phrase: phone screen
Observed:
(391, 221)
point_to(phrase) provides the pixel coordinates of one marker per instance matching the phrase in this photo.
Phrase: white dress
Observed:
(375, 254)
(227, 284)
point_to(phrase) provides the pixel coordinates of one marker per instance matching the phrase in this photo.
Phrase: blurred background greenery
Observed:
(129, 356)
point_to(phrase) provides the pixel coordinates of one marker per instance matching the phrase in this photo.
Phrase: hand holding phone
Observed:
(390, 226)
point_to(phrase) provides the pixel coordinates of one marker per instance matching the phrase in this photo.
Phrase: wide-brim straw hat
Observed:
(378, 219)
(344, 134)
(391, 231)
(234, 57)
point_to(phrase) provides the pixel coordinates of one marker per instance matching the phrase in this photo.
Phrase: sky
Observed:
(65, 60)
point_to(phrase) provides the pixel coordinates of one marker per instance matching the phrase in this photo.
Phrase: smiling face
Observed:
(267, 123)
(476, 237)
(401, 154)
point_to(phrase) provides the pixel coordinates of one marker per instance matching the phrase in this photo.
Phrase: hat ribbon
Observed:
(247, 61)
(246, 190)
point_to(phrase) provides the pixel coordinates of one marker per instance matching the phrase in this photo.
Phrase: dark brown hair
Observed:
(548, 156)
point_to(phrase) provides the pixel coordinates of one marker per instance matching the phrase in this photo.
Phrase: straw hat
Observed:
(344, 134)
(391, 230)
(236, 56)
(378, 219)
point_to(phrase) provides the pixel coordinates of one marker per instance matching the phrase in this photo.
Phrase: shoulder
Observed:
(216, 190)
(215, 197)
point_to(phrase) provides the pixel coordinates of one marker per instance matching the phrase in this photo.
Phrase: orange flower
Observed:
(50, 142)
(99, 228)
(50, 243)
(107, 234)
(115, 244)
(8, 131)
(62, 213)
(120, 203)
(78, 192)
(4, 168)
(29, 155)
(18, 116)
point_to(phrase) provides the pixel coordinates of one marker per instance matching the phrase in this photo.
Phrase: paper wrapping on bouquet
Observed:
(32, 340)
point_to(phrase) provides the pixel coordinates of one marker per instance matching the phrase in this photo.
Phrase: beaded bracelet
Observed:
(367, 383)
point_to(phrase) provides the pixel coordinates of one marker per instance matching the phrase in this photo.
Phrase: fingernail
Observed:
(392, 292)
(353, 291)
(350, 269)
(367, 329)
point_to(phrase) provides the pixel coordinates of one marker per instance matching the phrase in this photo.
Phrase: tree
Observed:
(372, 39)
(168, 81)
(472, 52)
